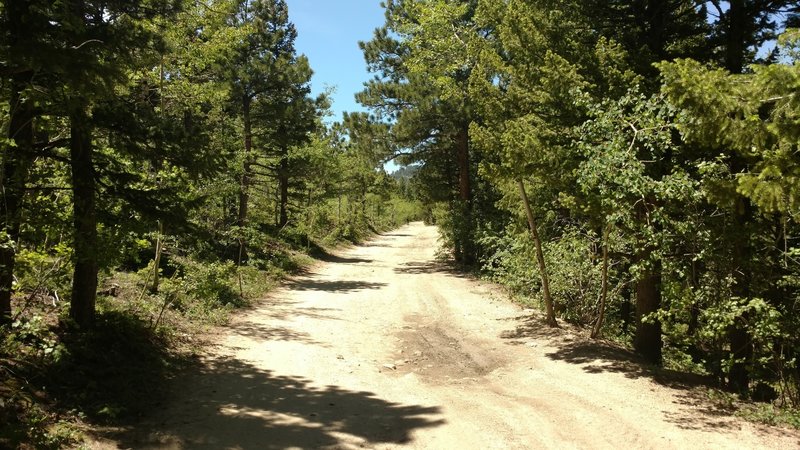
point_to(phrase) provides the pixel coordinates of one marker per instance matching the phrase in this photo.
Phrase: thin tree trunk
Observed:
(157, 257)
(17, 160)
(283, 185)
(16, 165)
(244, 185)
(464, 248)
(160, 230)
(84, 281)
(462, 147)
(548, 300)
(604, 288)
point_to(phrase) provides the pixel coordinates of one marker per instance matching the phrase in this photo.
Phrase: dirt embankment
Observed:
(383, 347)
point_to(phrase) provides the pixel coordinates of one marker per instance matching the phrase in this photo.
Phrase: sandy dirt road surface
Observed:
(383, 347)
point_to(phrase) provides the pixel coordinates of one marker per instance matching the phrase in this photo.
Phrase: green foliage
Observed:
(215, 173)
(212, 282)
(574, 266)
(191, 223)
(752, 116)
(695, 185)
(44, 273)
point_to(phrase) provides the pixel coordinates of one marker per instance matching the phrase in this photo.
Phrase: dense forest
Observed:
(630, 165)
(162, 161)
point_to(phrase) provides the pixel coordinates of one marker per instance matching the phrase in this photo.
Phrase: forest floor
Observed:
(383, 346)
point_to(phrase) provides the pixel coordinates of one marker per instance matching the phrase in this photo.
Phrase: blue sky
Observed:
(328, 33)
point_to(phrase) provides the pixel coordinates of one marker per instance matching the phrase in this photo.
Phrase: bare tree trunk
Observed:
(283, 185)
(157, 257)
(17, 160)
(84, 281)
(16, 164)
(548, 300)
(339, 208)
(735, 48)
(160, 231)
(601, 315)
(739, 338)
(464, 248)
(462, 147)
(244, 185)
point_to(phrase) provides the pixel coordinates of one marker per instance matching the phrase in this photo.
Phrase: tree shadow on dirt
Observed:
(285, 309)
(265, 332)
(705, 414)
(336, 286)
(382, 244)
(228, 403)
(429, 267)
(598, 356)
(698, 411)
(336, 259)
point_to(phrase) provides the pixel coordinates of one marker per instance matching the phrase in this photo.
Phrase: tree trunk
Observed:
(604, 289)
(739, 339)
(339, 208)
(462, 147)
(157, 257)
(742, 351)
(244, 184)
(548, 300)
(464, 248)
(735, 45)
(283, 185)
(84, 280)
(16, 164)
(647, 341)
(740, 342)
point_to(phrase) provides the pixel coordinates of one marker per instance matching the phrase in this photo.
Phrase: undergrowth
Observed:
(56, 381)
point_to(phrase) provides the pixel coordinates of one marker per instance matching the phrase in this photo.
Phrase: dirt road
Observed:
(383, 348)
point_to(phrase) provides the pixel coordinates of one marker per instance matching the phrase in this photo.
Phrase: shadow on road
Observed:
(236, 405)
(282, 309)
(339, 286)
(336, 259)
(598, 356)
(427, 267)
(263, 332)
(383, 244)
(698, 411)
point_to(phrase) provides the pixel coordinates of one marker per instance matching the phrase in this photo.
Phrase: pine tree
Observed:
(423, 63)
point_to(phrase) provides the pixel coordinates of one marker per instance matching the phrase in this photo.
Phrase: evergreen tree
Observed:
(423, 63)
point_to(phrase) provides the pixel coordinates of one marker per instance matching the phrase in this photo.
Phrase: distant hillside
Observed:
(405, 173)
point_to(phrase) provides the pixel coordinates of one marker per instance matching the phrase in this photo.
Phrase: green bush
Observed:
(213, 282)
